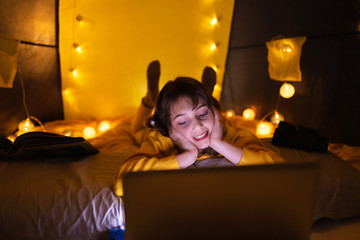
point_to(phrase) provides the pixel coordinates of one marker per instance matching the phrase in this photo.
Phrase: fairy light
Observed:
(26, 126)
(230, 113)
(78, 48)
(74, 72)
(264, 129)
(214, 21)
(104, 126)
(212, 47)
(89, 132)
(249, 114)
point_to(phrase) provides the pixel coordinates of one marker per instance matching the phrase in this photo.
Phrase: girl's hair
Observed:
(170, 93)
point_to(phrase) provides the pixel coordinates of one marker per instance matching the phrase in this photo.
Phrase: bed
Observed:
(71, 197)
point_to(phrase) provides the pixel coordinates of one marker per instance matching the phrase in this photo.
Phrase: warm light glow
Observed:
(287, 90)
(104, 126)
(264, 128)
(78, 48)
(249, 114)
(214, 21)
(68, 133)
(212, 46)
(286, 48)
(276, 118)
(89, 132)
(74, 72)
(215, 68)
(11, 138)
(26, 125)
(229, 113)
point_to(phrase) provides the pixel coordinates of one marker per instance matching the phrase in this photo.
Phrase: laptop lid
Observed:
(273, 201)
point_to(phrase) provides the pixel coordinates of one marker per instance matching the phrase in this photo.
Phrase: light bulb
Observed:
(68, 133)
(249, 114)
(264, 128)
(229, 113)
(213, 21)
(287, 90)
(74, 72)
(89, 132)
(286, 48)
(104, 126)
(276, 118)
(11, 138)
(212, 46)
(26, 125)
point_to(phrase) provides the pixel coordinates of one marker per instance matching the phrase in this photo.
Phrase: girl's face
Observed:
(195, 124)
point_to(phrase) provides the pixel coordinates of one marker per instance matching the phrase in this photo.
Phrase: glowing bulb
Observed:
(68, 133)
(89, 132)
(11, 138)
(287, 90)
(285, 48)
(213, 21)
(74, 72)
(276, 118)
(104, 126)
(249, 114)
(78, 48)
(212, 46)
(229, 113)
(26, 125)
(215, 68)
(264, 128)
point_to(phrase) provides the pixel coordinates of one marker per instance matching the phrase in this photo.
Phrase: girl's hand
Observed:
(188, 150)
(217, 131)
(181, 142)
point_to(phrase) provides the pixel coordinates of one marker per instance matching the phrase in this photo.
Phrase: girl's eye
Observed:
(183, 123)
(203, 115)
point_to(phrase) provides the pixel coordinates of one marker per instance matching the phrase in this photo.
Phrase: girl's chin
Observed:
(201, 147)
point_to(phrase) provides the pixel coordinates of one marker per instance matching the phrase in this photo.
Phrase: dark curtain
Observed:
(328, 98)
(35, 24)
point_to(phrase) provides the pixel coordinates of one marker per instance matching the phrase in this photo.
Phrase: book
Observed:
(45, 144)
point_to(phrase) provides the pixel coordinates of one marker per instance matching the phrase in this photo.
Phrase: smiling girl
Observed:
(187, 130)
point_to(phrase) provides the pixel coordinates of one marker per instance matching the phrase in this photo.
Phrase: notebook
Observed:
(273, 201)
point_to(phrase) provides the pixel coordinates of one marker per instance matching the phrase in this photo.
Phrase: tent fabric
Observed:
(8, 60)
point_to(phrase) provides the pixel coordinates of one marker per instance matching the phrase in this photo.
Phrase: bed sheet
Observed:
(62, 198)
(76, 199)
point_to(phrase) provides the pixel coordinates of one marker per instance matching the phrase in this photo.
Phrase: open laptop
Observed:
(273, 201)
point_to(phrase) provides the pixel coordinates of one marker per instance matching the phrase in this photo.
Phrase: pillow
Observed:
(339, 183)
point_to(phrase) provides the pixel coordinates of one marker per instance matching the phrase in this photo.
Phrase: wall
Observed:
(120, 38)
(328, 98)
(34, 23)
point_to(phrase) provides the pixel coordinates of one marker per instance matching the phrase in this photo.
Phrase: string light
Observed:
(230, 113)
(249, 114)
(213, 21)
(104, 126)
(287, 90)
(276, 118)
(74, 72)
(264, 128)
(212, 47)
(89, 132)
(78, 48)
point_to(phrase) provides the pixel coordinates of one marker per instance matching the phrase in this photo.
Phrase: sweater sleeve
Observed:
(254, 151)
(156, 153)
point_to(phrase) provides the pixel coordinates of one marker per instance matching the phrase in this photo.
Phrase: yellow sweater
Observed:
(157, 152)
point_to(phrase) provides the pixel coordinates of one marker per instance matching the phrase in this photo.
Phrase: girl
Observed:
(187, 130)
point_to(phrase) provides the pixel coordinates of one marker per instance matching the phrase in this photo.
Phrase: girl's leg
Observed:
(209, 78)
(147, 102)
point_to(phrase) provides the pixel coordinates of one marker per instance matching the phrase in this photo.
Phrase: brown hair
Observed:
(170, 93)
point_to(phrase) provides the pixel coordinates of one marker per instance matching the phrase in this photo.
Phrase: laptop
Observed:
(273, 201)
